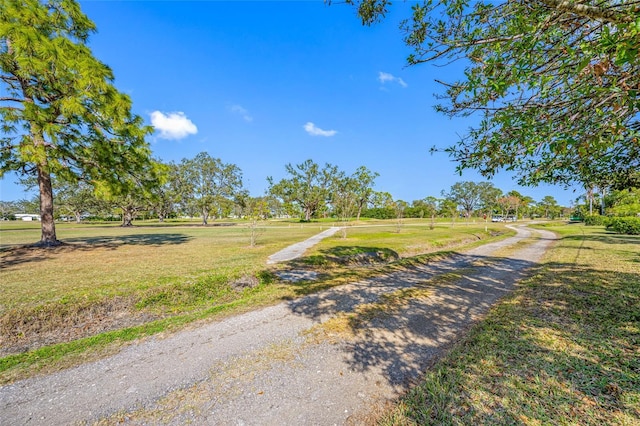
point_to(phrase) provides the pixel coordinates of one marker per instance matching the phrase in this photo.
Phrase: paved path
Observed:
(296, 250)
(261, 368)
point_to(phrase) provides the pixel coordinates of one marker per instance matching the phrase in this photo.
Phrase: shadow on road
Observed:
(401, 340)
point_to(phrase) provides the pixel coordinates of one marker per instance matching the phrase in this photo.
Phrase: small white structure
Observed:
(27, 217)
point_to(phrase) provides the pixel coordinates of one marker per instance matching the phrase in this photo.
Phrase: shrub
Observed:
(624, 225)
(379, 213)
(596, 220)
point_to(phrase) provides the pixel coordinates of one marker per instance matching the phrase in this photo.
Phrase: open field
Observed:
(563, 349)
(108, 285)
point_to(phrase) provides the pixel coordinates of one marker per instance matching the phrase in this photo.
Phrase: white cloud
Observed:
(316, 131)
(237, 109)
(173, 125)
(384, 77)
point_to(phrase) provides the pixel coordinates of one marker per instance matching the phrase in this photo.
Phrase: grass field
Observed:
(108, 285)
(564, 349)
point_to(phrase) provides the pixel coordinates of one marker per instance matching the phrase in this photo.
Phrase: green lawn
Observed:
(105, 261)
(108, 285)
(563, 349)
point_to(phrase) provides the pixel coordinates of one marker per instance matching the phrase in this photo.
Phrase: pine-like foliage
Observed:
(61, 114)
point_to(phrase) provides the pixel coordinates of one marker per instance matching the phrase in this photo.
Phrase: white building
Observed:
(27, 217)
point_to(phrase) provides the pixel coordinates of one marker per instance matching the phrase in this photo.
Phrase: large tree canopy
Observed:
(61, 115)
(209, 184)
(308, 186)
(556, 83)
(472, 195)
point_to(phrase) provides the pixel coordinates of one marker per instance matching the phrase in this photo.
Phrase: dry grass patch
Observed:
(107, 278)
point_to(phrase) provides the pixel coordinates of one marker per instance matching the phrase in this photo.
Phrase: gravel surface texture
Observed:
(296, 250)
(265, 368)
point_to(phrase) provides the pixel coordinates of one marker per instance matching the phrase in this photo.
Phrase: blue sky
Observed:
(262, 84)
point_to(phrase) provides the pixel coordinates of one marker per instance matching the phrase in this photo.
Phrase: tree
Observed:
(589, 197)
(308, 187)
(489, 194)
(130, 205)
(449, 208)
(363, 182)
(549, 206)
(431, 204)
(76, 199)
(180, 186)
(256, 210)
(518, 201)
(381, 206)
(344, 199)
(8, 209)
(61, 115)
(472, 195)
(399, 206)
(140, 195)
(555, 83)
(426, 207)
(209, 184)
(624, 202)
(351, 194)
(526, 203)
(274, 206)
(510, 203)
(163, 197)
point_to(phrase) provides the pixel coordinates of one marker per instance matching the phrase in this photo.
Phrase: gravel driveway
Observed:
(296, 250)
(262, 368)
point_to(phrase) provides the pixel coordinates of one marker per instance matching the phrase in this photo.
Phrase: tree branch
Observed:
(591, 12)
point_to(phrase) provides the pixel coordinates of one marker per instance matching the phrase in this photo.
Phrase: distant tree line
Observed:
(207, 188)
(470, 200)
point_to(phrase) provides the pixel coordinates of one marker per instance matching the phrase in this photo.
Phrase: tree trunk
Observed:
(129, 212)
(359, 212)
(127, 218)
(253, 225)
(205, 216)
(47, 223)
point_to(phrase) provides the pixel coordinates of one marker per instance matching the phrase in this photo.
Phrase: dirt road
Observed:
(262, 368)
(296, 250)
